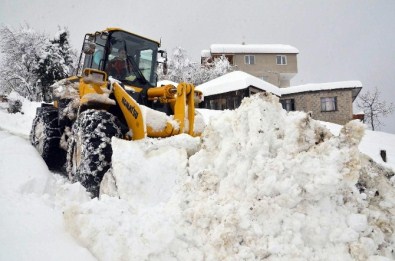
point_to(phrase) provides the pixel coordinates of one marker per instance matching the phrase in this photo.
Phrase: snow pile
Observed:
(372, 143)
(144, 223)
(19, 123)
(264, 184)
(271, 185)
(31, 200)
(146, 172)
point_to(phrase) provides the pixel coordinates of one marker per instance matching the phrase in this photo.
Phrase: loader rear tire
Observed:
(45, 137)
(89, 148)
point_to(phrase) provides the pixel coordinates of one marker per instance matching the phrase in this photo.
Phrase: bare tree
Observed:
(374, 108)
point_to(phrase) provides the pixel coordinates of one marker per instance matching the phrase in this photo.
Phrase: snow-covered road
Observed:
(31, 225)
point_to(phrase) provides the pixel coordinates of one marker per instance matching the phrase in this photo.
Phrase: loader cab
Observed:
(127, 57)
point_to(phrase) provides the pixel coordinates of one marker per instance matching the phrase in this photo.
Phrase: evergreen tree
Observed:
(55, 62)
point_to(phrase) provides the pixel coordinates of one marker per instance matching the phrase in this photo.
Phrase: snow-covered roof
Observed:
(234, 81)
(321, 87)
(205, 53)
(239, 80)
(252, 48)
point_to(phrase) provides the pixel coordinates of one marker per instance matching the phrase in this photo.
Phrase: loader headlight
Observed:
(97, 77)
(94, 75)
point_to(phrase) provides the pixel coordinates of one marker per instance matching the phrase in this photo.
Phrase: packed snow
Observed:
(321, 86)
(238, 80)
(260, 183)
(234, 81)
(253, 48)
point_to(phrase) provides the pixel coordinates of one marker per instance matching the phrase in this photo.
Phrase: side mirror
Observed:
(88, 48)
(165, 68)
(163, 54)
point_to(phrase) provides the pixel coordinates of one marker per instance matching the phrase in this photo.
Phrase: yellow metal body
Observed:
(185, 97)
(92, 84)
(131, 111)
(180, 99)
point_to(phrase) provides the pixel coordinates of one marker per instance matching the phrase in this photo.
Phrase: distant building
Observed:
(270, 67)
(273, 63)
(331, 102)
(227, 91)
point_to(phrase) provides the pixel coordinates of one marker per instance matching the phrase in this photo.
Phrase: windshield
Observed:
(131, 59)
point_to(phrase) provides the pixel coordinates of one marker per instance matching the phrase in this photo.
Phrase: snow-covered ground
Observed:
(260, 183)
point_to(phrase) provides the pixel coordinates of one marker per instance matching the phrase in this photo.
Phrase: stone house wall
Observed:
(311, 102)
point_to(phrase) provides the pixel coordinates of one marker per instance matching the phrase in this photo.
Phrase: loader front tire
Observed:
(45, 137)
(89, 148)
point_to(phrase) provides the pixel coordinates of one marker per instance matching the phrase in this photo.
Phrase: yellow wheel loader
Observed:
(112, 94)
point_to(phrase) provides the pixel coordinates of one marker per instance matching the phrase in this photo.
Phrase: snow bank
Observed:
(18, 123)
(372, 143)
(32, 200)
(272, 185)
(264, 184)
(143, 223)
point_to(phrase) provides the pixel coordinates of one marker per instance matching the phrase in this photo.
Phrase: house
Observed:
(276, 64)
(273, 63)
(331, 102)
(227, 91)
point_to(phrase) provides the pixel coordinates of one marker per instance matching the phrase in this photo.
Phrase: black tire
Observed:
(45, 137)
(89, 148)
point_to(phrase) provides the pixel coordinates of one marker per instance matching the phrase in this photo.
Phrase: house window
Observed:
(217, 104)
(211, 105)
(249, 59)
(288, 104)
(329, 104)
(281, 59)
(236, 102)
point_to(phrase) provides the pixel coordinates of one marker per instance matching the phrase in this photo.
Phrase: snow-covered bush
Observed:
(55, 62)
(32, 61)
(14, 103)
(182, 69)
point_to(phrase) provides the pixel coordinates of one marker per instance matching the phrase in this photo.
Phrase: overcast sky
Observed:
(338, 40)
